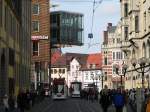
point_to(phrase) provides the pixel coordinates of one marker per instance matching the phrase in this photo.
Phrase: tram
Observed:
(59, 89)
(75, 89)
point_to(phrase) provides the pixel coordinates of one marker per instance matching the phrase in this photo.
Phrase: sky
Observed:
(108, 11)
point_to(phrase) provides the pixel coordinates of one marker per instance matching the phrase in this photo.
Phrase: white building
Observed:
(91, 72)
(74, 73)
(59, 69)
(135, 18)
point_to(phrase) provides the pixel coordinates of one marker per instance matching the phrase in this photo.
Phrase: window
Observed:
(1, 11)
(105, 61)
(55, 71)
(117, 55)
(37, 66)
(91, 76)
(35, 9)
(144, 21)
(118, 40)
(125, 10)
(35, 26)
(114, 69)
(35, 48)
(126, 33)
(86, 77)
(94, 66)
(63, 71)
(113, 40)
(136, 24)
(121, 55)
(59, 70)
(51, 71)
(113, 55)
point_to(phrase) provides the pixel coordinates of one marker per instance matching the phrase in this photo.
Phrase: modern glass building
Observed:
(66, 28)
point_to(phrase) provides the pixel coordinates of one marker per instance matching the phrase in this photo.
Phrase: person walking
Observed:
(21, 101)
(5, 102)
(11, 103)
(119, 100)
(104, 99)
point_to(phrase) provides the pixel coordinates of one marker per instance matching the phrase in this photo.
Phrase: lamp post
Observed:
(124, 70)
(143, 67)
(143, 64)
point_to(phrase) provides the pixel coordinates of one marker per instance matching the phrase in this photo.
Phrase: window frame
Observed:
(33, 51)
(136, 23)
(38, 12)
(38, 27)
(126, 10)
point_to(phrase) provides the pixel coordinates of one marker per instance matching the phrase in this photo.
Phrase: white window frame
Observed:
(38, 26)
(38, 9)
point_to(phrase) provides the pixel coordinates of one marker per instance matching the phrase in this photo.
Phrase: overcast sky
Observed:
(107, 11)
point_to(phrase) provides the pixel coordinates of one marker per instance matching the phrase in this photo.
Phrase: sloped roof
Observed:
(83, 59)
(65, 59)
(60, 62)
(95, 59)
(55, 55)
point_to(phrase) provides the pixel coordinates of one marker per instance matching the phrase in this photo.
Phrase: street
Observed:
(69, 105)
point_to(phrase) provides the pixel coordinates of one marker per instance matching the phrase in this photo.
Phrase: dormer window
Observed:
(88, 66)
(93, 66)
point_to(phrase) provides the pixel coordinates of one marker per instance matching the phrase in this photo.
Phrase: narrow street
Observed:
(69, 105)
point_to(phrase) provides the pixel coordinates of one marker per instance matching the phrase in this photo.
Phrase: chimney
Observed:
(105, 37)
(109, 26)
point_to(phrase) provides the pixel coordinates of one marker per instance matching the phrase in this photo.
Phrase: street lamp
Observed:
(143, 64)
(143, 67)
(124, 70)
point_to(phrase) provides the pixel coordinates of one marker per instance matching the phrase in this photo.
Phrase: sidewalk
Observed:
(37, 106)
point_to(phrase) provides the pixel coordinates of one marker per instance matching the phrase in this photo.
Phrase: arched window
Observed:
(133, 53)
(144, 50)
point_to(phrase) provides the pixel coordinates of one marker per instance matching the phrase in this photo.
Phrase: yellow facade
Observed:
(10, 43)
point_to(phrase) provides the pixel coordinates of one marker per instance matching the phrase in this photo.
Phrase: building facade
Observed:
(15, 34)
(112, 56)
(135, 16)
(92, 71)
(40, 43)
(74, 73)
(59, 67)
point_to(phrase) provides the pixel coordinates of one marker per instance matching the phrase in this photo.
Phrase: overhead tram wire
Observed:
(93, 14)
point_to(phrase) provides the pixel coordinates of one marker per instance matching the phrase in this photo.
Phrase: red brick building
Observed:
(40, 42)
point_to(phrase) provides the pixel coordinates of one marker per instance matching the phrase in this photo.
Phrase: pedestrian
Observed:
(28, 99)
(148, 105)
(119, 100)
(11, 103)
(21, 101)
(104, 99)
(5, 102)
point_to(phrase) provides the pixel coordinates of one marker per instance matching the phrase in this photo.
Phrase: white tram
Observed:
(75, 89)
(59, 90)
